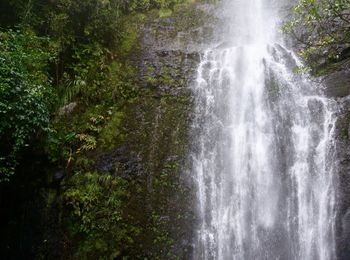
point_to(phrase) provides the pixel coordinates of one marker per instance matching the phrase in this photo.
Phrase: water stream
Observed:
(263, 156)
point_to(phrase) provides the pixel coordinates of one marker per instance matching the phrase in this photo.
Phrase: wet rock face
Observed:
(343, 179)
(119, 163)
(154, 151)
(171, 48)
(338, 84)
(345, 236)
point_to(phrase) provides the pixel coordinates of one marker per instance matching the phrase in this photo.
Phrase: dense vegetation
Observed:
(65, 78)
(26, 94)
(322, 28)
(66, 81)
(52, 53)
(58, 52)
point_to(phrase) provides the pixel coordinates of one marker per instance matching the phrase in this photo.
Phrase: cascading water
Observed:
(263, 156)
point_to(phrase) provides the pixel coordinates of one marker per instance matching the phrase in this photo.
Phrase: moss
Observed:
(329, 67)
(112, 134)
(151, 69)
(186, 20)
(129, 38)
(344, 134)
(165, 13)
(151, 81)
(159, 137)
(94, 204)
(325, 69)
(152, 126)
(168, 80)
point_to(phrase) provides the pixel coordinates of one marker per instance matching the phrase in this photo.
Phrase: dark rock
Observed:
(342, 144)
(345, 53)
(337, 84)
(120, 163)
(58, 176)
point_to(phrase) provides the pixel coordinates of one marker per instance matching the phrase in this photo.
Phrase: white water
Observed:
(264, 151)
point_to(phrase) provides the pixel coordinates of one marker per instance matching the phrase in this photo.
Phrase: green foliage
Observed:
(128, 38)
(112, 132)
(58, 145)
(95, 204)
(25, 93)
(145, 5)
(322, 27)
(122, 80)
(67, 144)
(85, 76)
(85, 51)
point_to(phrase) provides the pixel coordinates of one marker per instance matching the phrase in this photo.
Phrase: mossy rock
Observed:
(138, 132)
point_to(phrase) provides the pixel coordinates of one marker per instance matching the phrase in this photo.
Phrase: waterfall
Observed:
(263, 155)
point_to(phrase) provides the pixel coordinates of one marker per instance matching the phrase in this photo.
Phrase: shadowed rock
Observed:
(337, 84)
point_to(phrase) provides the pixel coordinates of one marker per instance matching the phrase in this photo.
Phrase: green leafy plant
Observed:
(25, 93)
(95, 204)
(322, 29)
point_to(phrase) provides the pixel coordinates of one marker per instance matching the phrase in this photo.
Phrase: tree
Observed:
(25, 94)
(322, 29)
